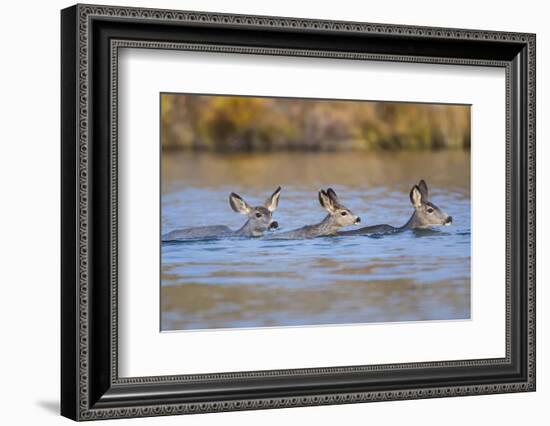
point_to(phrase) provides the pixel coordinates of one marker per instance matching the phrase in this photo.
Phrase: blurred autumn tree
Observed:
(237, 123)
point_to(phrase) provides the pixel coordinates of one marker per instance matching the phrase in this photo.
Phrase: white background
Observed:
(146, 352)
(29, 213)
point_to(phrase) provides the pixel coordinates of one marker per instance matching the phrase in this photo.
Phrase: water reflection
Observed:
(228, 283)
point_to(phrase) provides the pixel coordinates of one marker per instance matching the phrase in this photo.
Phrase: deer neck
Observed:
(412, 223)
(247, 231)
(327, 226)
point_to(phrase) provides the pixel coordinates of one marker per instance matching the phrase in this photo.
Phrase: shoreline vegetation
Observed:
(253, 124)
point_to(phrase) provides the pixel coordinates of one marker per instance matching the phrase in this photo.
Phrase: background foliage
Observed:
(237, 123)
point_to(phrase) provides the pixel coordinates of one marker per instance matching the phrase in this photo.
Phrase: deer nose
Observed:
(273, 225)
(449, 220)
(358, 220)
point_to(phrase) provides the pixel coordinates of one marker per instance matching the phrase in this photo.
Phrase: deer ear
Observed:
(332, 194)
(326, 201)
(272, 202)
(423, 186)
(416, 196)
(322, 198)
(238, 204)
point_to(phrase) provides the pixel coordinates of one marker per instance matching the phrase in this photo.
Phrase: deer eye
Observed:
(344, 213)
(258, 215)
(430, 210)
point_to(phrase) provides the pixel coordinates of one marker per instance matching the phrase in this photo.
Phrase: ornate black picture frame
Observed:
(91, 36)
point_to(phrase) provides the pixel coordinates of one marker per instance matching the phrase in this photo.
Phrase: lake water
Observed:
(233, 283)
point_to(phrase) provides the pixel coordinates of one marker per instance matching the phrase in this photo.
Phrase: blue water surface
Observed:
(258, 282)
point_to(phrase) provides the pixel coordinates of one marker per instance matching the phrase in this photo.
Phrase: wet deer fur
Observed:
(338, 216)
(259, 220)
(426, 214)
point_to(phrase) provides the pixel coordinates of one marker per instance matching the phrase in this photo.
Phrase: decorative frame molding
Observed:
(91, 388)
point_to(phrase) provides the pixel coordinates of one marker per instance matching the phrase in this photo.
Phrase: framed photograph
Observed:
(263, 212)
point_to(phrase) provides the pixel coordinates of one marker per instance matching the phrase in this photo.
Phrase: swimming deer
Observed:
(260, 219)
(338, 217)
(426, 214)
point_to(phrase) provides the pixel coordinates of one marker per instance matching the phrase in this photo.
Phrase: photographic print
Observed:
(284, 212)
